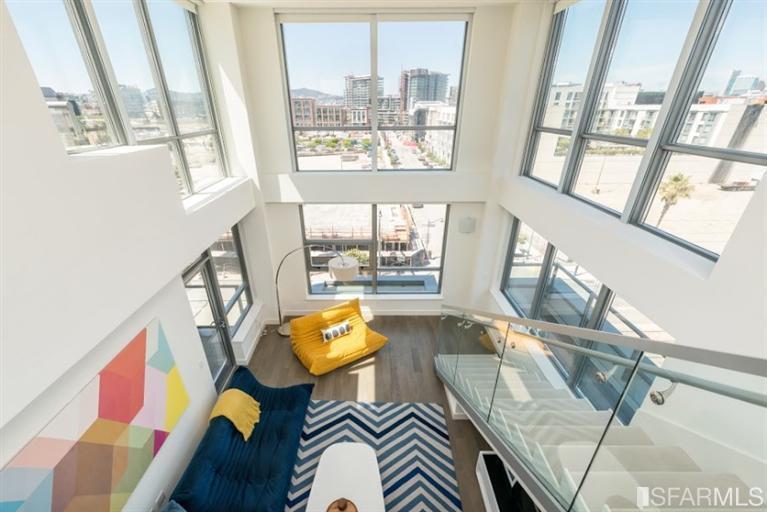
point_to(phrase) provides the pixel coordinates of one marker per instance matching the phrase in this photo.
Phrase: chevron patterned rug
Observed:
(411, 443)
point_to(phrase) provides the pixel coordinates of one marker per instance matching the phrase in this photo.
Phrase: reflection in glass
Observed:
(202, 159)
(568, 298)
(607, 173)
(416, 149)
(127, 54)
(641, 67)
(550, 155)
(212, 342)
(333, 150)
(701, 199)
(526, 265)
(65, 83)
(579, 34)
(175, 41)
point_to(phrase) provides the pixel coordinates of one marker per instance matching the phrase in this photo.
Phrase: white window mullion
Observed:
(374, 90)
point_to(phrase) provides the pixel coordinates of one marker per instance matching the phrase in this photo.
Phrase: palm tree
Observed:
(676, 187)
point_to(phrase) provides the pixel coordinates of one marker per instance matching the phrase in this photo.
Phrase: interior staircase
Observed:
(556, 435)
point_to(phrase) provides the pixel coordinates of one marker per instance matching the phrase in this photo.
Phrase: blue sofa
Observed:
(226, 473)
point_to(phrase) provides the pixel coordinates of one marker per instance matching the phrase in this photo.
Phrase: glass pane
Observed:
(623, 318)
(529, 249)
(226, 261)
(568, 298)
(54, 53)
(607, 173)
(641, 67)
(550, 156)
(177, 170)
(420, 65)
(449, 332)
(238, 309)
(333, 150)
(684, 447)
(337, 221)
(202, 159)
(411, 235)
(700, 199)
(574, 56)
(336, 79)
(120, 30)
(416, 149)
(178, 53)
(212, 343)
(408, 281)
(547, 424)
(729, 109)
(480, 344)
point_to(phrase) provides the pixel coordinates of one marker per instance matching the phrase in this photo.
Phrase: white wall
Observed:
(93, 246)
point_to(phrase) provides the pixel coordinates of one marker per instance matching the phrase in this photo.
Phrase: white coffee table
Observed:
(347, 470)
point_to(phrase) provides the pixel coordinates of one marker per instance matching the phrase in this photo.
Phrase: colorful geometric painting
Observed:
(94, 451)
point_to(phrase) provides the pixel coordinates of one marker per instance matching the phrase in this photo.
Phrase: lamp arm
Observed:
(279, 267)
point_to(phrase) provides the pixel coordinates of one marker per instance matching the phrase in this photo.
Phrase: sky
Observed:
(651, 38)
(320, 55)
(57, 61)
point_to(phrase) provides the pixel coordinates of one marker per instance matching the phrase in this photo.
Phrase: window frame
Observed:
(373, 266)
(700, 43)
(207, 258)
(372, 18)
(85, 25)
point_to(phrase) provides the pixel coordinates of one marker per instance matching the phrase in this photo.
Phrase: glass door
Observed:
(209, 316)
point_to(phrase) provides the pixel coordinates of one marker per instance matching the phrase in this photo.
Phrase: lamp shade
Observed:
(344, 268)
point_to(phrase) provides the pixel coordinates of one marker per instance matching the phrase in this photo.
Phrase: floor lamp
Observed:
(342, 268)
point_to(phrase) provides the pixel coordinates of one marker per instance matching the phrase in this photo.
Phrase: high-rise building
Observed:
(134, 100)
(452, 98)
(357, 90)
(421, 84)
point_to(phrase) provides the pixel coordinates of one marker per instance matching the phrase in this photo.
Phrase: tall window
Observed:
(388, 101)
(562, 291)
(527, 251)
(399, 247)
(228, 262)
(691, 182)
(134, 74)
(67, 81)
(561, 90)
(719, 151)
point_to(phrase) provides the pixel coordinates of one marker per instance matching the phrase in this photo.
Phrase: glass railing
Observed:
(597, 422)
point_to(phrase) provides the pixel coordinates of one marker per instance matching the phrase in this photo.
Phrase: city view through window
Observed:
(170, 109)
(399, 247)
(699, 198)
(335, 126)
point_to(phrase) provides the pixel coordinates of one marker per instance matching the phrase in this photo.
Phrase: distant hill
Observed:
(321, 97)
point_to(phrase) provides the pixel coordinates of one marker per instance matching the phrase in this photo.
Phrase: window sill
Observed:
(198, 200)
(374, 297)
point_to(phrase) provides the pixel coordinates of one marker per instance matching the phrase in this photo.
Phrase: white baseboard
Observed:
(455, 409)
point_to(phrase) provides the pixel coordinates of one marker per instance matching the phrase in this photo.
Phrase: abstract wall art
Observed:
(94, 451)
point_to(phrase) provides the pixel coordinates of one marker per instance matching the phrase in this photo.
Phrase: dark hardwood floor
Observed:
(402, 371)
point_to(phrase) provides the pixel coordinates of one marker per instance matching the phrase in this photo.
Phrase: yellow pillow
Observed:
(240, 408)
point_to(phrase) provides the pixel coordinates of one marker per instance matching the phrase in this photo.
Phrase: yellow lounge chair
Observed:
(322, 357)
